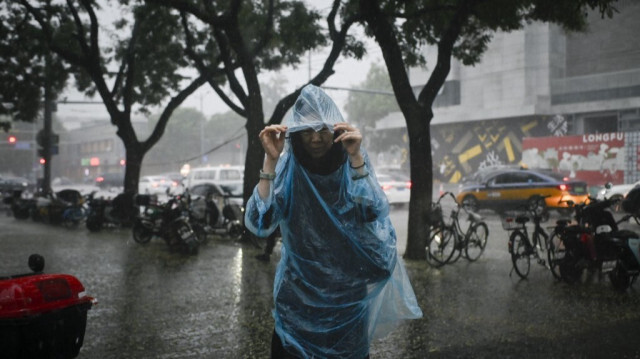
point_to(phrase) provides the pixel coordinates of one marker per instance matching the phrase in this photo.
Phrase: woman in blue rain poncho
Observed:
(339, 283)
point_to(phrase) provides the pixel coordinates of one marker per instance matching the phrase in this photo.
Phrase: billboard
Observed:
(594, 158)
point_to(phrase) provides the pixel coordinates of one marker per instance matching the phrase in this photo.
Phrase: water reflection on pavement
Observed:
(217, 304)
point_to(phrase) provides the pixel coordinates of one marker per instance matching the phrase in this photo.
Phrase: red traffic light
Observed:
(12, 139)
(42, 161)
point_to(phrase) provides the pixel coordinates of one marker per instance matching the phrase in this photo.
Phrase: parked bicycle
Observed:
(523, 247)
(448, 241)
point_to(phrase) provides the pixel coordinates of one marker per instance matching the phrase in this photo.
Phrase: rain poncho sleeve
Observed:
(339, 283)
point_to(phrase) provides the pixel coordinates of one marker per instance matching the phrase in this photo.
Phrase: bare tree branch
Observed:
(339, 39)
(268, 31)
(79, 26)
(445, 48)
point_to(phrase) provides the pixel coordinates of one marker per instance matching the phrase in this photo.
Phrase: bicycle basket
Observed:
(436, 215)
(508, 220)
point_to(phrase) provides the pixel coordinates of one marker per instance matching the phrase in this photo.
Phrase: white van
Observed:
(220, 175)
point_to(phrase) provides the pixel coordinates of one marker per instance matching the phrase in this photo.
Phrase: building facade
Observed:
(535, 82)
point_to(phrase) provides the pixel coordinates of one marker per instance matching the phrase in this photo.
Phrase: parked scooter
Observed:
(64, 207)
(20, 206)
(627, 267)
(105, 212)
(595, 243)
(168, 221)
(42, 315)
(213, 211)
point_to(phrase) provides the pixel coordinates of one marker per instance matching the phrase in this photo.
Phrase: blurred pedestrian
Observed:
(339, 283)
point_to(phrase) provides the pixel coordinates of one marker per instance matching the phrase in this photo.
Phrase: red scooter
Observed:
(42, 315)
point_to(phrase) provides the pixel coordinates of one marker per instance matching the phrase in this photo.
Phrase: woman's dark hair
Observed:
(329, 163)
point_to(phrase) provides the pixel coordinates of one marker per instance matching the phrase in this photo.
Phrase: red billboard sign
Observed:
(594, 158)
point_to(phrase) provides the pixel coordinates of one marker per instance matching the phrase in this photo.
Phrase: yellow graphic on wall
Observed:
(467, 147)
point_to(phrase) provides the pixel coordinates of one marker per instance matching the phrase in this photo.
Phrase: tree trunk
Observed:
(134, 152)
(254, 158)
(133, 167)
(421, 179)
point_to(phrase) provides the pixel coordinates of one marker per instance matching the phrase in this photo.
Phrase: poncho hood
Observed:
(313, 109)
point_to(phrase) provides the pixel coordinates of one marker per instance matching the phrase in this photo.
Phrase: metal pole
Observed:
(201, 131)
(309, 67)
(46, 180)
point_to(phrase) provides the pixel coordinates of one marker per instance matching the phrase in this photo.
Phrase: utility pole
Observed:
(202, 131)
(46, 141)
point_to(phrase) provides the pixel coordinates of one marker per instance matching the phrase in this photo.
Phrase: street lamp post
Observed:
(202, 94)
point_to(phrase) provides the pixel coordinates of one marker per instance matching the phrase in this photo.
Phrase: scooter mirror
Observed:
(36, 263)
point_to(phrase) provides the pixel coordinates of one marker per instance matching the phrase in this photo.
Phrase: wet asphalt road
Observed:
(158, 304)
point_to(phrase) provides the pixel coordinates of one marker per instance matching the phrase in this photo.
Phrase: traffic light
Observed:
(12, 139)
(42, 161)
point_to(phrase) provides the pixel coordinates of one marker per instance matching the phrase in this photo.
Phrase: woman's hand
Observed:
(272, 139)
(351, 139)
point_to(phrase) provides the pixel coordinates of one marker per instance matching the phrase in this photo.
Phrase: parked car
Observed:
(396, 187)
(506, 189)
(617, 192)
(231, 189)
(63, 183)
(156, 185)
(219, 175)
(109, 180)
(9, 184)
(394, 170)
(177, 185)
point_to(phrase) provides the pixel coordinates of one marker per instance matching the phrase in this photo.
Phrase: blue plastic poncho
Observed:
(339, 283)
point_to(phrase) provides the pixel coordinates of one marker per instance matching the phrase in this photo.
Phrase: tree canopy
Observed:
(132, 64)
(232, 42)
(25, 65)
(375, 101)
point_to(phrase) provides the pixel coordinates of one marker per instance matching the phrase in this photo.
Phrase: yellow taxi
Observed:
(508, 189)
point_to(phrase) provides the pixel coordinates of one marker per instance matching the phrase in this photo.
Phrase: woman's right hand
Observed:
(272, 139)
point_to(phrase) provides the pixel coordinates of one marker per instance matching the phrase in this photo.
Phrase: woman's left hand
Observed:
(350, 137)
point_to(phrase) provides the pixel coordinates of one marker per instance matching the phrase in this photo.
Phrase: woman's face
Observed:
(317, 144)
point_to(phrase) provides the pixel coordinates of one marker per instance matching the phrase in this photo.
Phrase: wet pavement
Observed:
(217, 304)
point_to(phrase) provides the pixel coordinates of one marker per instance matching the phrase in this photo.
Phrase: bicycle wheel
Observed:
(476, 241)
(458, 248)
(441, 246)
(555, 254)
(520, 249)
(540, 242)
(430, 260)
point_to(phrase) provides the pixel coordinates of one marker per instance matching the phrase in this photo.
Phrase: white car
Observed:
(61, 183)
(618, 191)
(397, 188)
(156, 185)
(220, 175)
